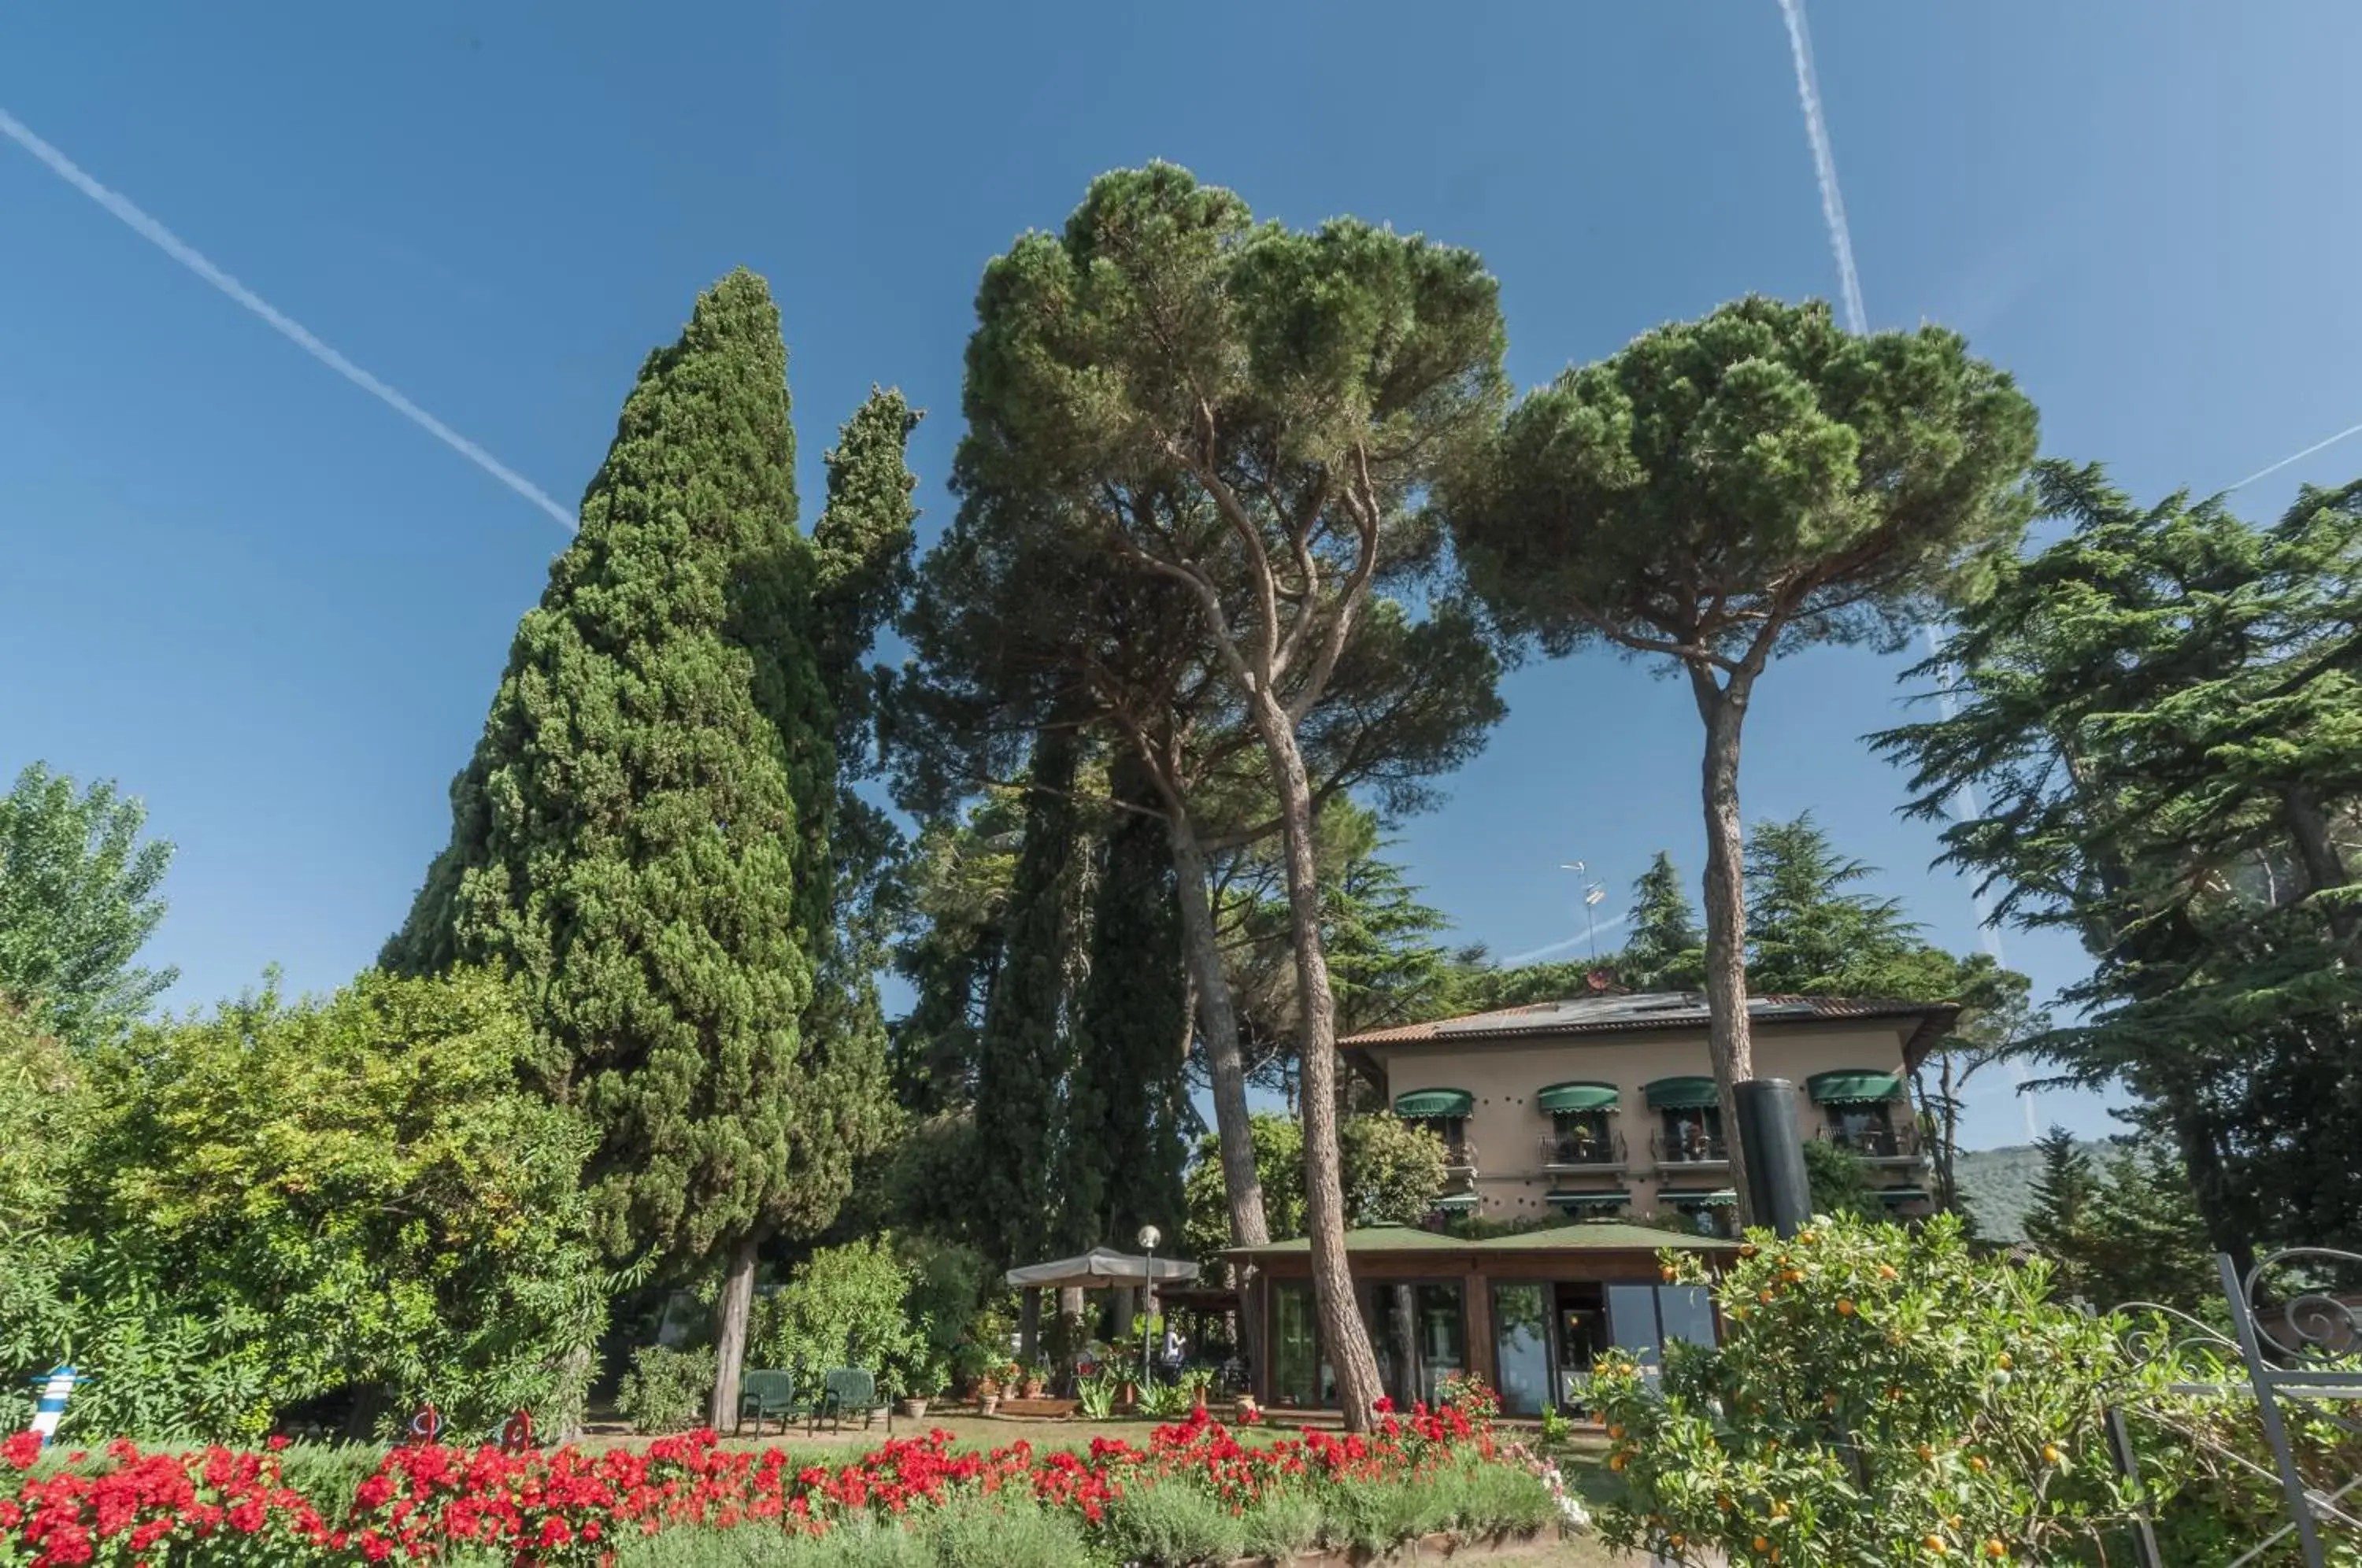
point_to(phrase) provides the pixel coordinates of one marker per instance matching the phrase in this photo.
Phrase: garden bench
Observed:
(767, 1394)
(844, 1389)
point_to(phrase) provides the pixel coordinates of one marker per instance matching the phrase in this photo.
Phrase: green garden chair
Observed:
(845, 1389)
(767, 1394)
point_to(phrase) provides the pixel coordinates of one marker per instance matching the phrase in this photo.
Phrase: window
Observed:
(1690, 1134)
(1644, 1319)
(1295, 1349)
(1582, 1137)
(1453, 1130)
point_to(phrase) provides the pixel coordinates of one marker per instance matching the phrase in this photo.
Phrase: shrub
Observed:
(666, 1389)
(1282, 1523)
(847, 1306)
(1171, 1524)
(1007, 1533)
(1879, 1396)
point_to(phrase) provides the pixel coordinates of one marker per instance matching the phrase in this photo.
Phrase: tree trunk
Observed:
(731, 1317)
(1730, 1041)
(1358, 1388)
(1225, 1064)
(2316, 849)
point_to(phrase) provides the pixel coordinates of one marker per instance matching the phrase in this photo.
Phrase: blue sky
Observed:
(275, 609)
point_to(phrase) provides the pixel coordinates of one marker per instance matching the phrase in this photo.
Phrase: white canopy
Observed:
(1098, 1268)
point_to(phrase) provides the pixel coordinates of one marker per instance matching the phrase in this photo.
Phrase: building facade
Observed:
(1604, 1107)
(1527, 1313)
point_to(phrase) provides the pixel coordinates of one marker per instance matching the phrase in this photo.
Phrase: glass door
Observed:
(1521, 1346)
(1442, 1338)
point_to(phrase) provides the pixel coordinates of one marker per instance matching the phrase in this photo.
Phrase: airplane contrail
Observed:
(2294, 458)
(190, 257)
(1611, 923)
(1824, 165)
(1825, 172)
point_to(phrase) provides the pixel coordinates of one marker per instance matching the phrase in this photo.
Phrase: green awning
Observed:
(1617, 1198)
(1903, 1193)
(1852, 1086)
(1435, 1102)
(1682, 1094)
(1579, 1097)
(1698, 1198)
(1457, 1200)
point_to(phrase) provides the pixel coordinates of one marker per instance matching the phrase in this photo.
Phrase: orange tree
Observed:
(1880, 1397)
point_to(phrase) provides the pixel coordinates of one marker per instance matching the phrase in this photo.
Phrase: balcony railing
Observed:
(1877, 1143)
(1460, 1159)
(1696, 1149)
(1596, 1152)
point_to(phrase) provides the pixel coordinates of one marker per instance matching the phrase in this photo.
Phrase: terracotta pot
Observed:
(916, 1409)
(988, 1405)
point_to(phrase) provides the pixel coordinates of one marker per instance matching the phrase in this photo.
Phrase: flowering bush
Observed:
(1879, 1396)
(568, 1506)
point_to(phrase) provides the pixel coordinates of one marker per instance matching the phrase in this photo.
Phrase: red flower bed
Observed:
(566, 1505)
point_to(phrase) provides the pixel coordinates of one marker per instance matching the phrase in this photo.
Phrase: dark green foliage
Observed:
(1664, 950)
(1760, 476)
(77, 901)
(1121, 1143)
(640, 838)
(2120, 1232)
(1024, 1053)
(2159, 713)
(1840, 1181)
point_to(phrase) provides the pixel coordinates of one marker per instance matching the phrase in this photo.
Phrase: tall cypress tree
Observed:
(640, 837)
(1122, 1149)
(1024, 1052)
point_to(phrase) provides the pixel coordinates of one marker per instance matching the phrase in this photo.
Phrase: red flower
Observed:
(20, 1450)
(278, 1440)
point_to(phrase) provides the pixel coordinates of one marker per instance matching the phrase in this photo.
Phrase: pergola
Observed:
(1101, 1268)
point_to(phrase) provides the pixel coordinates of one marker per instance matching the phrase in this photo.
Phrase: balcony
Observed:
(1694, 1149)
(1460, 1161)
(1878, 1144)
(1597, 1153)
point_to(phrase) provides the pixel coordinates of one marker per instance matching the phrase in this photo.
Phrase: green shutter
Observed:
(1853, 1087)
(1682, 1094)
(1456, 1202)
(1435, 1102)
(1616, 1199)
(1702, 1198)
(1578, 1097)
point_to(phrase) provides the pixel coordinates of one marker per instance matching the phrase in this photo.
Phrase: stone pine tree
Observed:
(1251, 414)
(1023, 1053)
(635, 837)
(1663, 952)
(1723, 490)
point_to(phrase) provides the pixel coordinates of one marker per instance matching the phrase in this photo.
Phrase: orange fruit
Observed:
(1791, 1276)
(2051, 1454)
(1996, 1551)
(1616, 1461)
(1779, 1509)
(1845, 1307)
(1615, 1433)
(1764, 1297)
(1667, 1271)
(1886, 1271)
(1761, 1544)
(1926, 1454)
(1935, 1545)
(1976, 1462)
(2003, 1362)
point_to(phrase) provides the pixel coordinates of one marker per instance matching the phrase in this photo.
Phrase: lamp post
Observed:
(1149, 1237)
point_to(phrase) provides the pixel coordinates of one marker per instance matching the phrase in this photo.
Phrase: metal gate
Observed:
(2300, 1347)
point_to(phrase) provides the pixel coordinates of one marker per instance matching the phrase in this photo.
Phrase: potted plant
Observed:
(1033, 1383)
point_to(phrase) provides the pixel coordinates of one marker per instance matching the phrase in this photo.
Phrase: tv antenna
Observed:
(1591, 893)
